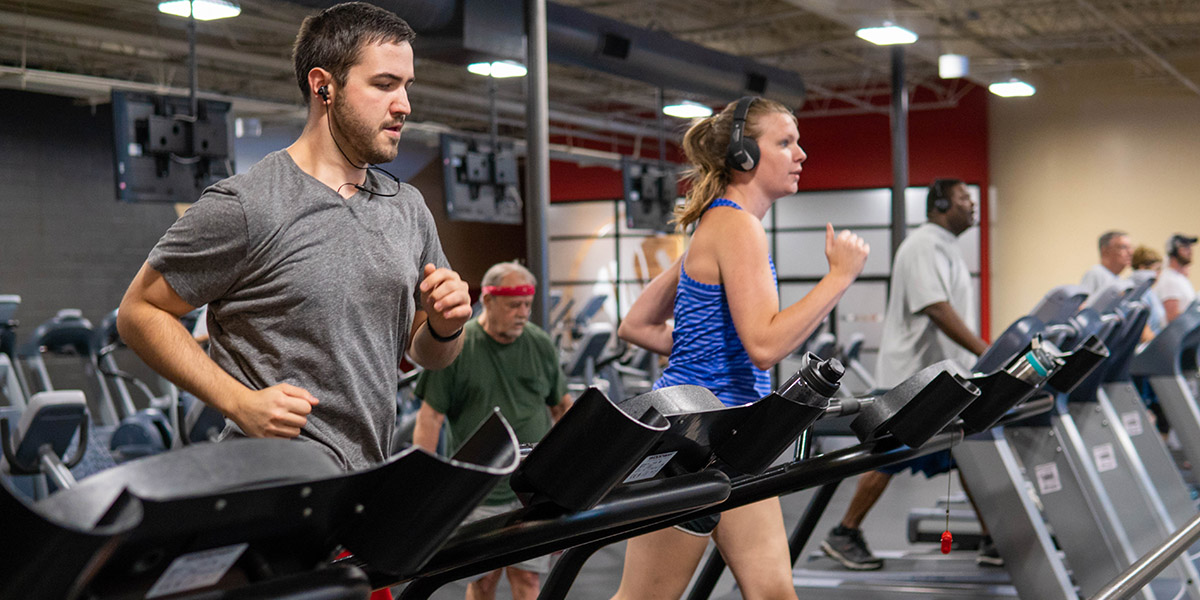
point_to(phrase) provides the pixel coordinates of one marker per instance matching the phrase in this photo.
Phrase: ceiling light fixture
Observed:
(686, 109)
(206, 10)
(887, 35)
(953, 66)
(500, 69)
(1013, 88)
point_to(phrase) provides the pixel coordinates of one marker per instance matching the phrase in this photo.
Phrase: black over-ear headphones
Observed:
(937, 194)
(323, 92)
(742, 154)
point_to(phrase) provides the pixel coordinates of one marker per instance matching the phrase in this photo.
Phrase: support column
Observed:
(537, 157)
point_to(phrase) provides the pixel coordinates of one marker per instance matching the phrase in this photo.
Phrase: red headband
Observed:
(512, 290)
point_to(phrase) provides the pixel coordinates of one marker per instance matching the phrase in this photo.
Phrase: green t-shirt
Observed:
(522, 379)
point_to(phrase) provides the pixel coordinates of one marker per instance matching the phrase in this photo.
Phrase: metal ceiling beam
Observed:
(15, 22)
(1163, 63)
(513, 107)
(855, 14)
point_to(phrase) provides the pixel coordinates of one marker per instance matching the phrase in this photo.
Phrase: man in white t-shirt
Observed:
(1173, 287)
(932, 316)
(1116, 253)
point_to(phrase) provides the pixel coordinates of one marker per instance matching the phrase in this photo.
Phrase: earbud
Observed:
(323, 92)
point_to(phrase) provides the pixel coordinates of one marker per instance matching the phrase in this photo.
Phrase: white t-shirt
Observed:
(1172, 285)
(929, 268)
(1097, 278)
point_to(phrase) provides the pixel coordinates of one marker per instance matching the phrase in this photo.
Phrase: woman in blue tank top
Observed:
(728, 328)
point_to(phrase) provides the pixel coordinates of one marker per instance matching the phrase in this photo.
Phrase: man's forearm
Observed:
(427, 428)
(165, 345)
(948, 321)
(431, 353)
(558, 410)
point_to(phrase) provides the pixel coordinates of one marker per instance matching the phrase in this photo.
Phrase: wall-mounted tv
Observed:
(651, 191)
(163, 153)
(481, 181)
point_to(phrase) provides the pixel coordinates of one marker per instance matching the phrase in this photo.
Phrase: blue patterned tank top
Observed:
(705, 348)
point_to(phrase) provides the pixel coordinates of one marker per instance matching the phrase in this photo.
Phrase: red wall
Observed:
(855, 152)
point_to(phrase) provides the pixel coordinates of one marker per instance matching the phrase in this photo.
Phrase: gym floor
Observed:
(884, 529)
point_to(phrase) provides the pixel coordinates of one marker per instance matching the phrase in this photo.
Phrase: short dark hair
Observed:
(940, 188)
(333, 39)
(1106, 238)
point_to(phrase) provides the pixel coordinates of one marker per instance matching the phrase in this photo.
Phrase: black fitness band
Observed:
(442, 338)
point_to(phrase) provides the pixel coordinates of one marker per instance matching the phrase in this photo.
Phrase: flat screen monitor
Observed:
(481, 181)
(163, 153)
(651, 191)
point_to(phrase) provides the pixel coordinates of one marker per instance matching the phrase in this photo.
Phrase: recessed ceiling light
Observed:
(887, 35)
(499, 69)
(1012, 88)
(206, 10)
(686, 109)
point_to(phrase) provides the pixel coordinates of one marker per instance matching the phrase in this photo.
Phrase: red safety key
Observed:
(947, 539)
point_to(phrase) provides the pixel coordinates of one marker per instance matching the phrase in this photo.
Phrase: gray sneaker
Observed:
(848, 547)
(988, 554)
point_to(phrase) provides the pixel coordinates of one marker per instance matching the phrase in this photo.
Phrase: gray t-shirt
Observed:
(308, 288)
(929, 268)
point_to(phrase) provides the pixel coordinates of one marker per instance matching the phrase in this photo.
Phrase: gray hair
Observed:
(496, 274)
(1107, 237)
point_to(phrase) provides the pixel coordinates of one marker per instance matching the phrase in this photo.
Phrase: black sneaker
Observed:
(988, 554)
(848, 547)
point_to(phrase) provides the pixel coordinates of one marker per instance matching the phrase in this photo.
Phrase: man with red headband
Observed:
(506, 363)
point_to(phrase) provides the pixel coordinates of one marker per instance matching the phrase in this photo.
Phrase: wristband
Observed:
(442, 338)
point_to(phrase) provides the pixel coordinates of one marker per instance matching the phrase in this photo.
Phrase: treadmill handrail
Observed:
(1148, 566)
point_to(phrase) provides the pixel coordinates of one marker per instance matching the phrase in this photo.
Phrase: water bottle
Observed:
(1036, 365)
(780, 417)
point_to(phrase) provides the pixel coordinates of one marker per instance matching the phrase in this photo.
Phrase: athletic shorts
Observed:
(700, 526)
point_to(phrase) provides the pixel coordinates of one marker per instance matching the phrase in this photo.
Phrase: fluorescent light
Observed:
(687, 109)
(206, 10)
(953, 66)
(1011, 88)
(499, 69)
(887, 35)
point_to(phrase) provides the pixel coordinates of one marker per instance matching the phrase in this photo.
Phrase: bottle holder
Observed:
(919, 407)
(591, 449)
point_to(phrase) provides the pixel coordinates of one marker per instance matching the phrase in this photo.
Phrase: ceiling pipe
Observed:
(558, 116)
(17, 21)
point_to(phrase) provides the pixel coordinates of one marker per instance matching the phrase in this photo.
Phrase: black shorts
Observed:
(701, 526)
(931, 464)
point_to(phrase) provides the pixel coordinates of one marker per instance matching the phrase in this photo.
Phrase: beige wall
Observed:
(1077, 159)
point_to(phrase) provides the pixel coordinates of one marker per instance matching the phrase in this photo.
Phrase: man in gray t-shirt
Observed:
(319, 273)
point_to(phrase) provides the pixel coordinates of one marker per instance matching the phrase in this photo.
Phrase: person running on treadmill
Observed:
(729, 328)
(1116, 253)
(319, 270)
(1146, 263)
(931, 317)
(506, 363)
(1173, 287)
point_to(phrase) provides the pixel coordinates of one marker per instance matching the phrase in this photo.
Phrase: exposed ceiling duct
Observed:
(421, 15)
(580, 38)
(583, 39)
